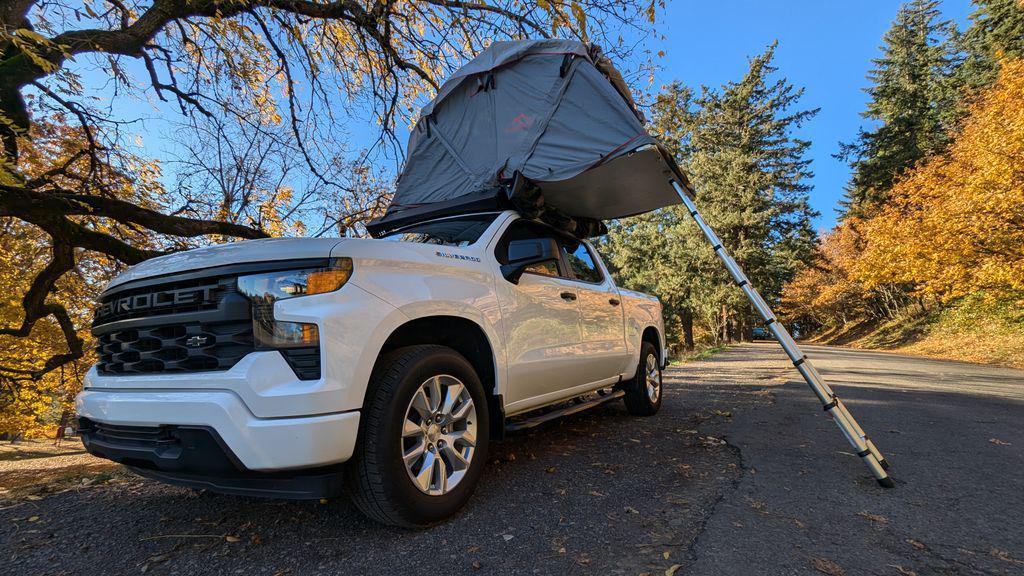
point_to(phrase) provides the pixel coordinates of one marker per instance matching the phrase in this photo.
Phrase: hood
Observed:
(265, 250)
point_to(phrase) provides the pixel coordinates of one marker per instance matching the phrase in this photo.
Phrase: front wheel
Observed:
(643, 392)
(423, 438)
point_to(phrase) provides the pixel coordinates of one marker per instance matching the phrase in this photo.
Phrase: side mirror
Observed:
(525, 253)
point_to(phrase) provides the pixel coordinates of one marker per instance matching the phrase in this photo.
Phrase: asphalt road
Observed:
(740, 473)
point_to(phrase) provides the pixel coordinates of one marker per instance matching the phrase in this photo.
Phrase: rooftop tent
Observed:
(547, 127)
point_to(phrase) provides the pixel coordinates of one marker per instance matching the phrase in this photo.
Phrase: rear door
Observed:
(602, 334)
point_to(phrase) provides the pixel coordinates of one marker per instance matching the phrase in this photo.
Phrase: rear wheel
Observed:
(423, 438)
(643, 392)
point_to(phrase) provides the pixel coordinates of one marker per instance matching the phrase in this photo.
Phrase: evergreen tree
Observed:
(750, 173)
(912, 99)
(996, 32)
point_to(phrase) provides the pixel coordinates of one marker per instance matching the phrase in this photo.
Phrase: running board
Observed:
(528, 423)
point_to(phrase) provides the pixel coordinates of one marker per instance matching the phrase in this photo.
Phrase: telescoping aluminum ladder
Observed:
(829, 401)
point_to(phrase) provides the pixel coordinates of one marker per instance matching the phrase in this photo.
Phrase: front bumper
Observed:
(197, 457)
(252, 443)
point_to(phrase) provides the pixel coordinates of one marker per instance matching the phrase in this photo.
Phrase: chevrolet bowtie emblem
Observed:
(196, 341)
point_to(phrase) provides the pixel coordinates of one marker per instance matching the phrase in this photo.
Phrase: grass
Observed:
(969, 331)
(38, 448)
(698, 354)
(29, 467)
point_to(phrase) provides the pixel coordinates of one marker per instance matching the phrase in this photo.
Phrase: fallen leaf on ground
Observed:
(998, 442)
(232, 538)
(1005, 556)
(672, 570)
(826, 566)
(903, 571)
(873, 517)
(916, 544)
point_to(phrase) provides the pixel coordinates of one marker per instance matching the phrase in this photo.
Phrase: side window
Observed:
(549, 268)
(581, 261)
(524, 230)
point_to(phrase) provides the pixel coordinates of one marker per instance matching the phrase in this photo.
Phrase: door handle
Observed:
(613, 301)
(568, 296)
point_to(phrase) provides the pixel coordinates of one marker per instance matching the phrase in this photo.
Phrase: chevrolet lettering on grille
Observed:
(156, 300)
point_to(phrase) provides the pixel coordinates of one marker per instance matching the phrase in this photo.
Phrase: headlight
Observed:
(263, 290)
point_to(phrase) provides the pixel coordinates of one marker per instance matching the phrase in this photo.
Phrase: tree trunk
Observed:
(686, 318)
(725, 324)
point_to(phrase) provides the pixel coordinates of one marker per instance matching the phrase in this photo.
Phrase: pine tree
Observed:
(750, 172)
(911, 101)
(996, 32)
(752, 177)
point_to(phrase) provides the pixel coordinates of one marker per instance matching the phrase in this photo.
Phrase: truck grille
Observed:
(189, 322)
(176, 324)
(175, 348)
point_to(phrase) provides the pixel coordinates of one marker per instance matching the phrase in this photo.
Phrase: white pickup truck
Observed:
(259, 367)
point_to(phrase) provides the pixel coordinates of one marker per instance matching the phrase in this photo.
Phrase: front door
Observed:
(542, 328)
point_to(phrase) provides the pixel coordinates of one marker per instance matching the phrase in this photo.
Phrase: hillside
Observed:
(968, 332)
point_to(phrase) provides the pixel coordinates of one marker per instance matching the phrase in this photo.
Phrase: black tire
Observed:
(639, 401)
(376, 476)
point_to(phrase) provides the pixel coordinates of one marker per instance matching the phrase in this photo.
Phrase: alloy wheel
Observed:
(439, 434)
(653, 379)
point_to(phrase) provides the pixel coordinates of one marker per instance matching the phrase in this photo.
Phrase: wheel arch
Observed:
(466, 337)
(652, 335)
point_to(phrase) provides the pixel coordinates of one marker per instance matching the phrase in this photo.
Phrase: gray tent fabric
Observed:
(523, 124)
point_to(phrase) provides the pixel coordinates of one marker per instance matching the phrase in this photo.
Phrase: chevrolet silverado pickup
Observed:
(309, 367)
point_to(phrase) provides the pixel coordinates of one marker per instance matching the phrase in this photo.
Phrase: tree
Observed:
(955, 225)
(750, 172)
(277, 67)
(913, 104)
(996, 33)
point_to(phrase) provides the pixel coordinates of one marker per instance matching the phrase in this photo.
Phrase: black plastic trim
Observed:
(197, 457)
(304, 485)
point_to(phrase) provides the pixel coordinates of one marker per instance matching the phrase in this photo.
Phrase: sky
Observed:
(825, 46)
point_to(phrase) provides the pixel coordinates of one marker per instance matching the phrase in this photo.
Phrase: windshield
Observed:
(457, 231)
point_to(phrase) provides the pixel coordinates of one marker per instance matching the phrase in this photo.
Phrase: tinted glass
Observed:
(523, 230)
(549, 268)
(458, 231)
(581, 261)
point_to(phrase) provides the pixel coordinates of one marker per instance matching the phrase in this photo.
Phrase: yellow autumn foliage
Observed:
(955, 225)
(827, 293)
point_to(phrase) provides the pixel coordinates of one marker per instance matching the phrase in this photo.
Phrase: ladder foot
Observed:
(886, 482)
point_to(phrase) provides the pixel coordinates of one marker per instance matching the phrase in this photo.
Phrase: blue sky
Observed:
(825, 46)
